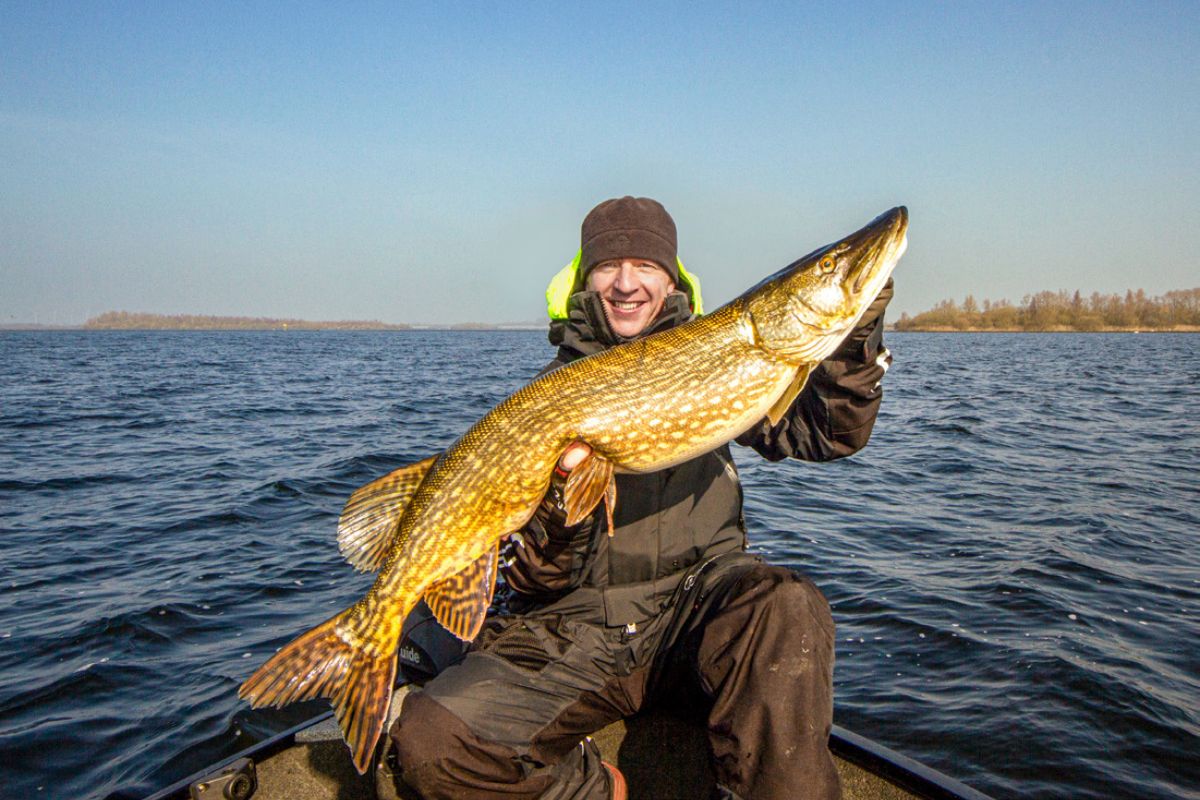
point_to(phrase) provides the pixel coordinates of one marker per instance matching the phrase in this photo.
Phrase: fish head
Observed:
(801, 313)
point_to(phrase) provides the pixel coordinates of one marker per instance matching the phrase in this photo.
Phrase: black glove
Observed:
(864, 341)
(549, 521)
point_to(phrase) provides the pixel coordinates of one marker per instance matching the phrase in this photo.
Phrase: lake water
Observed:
(1013, 561)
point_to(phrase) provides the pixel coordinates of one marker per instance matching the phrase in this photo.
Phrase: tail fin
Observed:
(325, 663)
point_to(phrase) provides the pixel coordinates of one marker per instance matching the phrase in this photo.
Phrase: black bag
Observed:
(426, 648)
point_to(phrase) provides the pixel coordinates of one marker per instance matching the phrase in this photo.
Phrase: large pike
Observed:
(433, 529)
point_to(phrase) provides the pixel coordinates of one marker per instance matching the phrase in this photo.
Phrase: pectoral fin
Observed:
(589, 482)
(461, 601)
(610, 504)
(370, 516)
(781, 406)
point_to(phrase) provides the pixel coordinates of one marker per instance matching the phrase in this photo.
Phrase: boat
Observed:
(311, 762)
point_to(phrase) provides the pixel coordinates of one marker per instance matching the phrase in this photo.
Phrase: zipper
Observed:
(690, 580)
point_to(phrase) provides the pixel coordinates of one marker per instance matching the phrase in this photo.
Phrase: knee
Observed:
(439, 756)
(422, 734)
(792, 600)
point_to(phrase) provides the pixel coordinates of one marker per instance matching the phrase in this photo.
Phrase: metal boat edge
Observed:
(887, 765)
(897, 769)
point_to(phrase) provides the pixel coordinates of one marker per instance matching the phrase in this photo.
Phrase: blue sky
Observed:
(433, 163)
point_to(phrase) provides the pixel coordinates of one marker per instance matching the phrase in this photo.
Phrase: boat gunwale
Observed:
(268, 747)
(898, 769)
(883, 762)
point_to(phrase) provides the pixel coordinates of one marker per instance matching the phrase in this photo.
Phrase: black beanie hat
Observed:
(629, 227)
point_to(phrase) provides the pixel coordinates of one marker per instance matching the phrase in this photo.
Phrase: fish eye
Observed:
(827, 264)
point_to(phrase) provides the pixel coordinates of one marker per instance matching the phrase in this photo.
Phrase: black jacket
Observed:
(668, 522)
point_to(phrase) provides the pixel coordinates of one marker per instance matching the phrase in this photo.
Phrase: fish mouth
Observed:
(871, 254)
(876, 248)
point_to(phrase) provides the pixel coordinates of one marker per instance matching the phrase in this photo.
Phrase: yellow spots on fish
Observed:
(654, 423)
(738, 405)
(685, 408)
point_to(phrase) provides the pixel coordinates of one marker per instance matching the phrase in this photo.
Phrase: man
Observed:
(671, 608)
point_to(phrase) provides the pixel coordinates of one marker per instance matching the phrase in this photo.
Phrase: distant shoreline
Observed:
(1061, 312)
(142, 321)
(1044, 312)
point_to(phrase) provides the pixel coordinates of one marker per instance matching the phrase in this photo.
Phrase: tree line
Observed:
(1063, 311)
(128, 320)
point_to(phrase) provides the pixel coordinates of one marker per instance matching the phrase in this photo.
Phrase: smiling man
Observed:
(627, 258)
(632, 290)
(669, 609)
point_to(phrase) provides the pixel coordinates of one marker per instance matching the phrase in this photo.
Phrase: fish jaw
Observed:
(801, 313)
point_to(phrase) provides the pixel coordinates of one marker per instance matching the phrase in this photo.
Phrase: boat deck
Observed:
(663, 757)
(318, 766)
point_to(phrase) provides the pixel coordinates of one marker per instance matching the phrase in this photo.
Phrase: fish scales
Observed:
(564, 406)
(643, 406)
(484, 511)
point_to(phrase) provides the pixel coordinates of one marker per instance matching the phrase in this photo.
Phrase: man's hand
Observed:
(550, 519)
(864, 341)
(573, 455)
(875, 310)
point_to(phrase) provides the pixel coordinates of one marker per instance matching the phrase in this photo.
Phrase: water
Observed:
(1012, 562)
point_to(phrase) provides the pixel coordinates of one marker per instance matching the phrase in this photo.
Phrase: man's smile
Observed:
(629, 317)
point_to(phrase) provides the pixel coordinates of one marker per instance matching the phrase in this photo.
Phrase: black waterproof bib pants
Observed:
(749, 644)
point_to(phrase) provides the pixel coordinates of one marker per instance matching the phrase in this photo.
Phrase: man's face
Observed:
(633, 291)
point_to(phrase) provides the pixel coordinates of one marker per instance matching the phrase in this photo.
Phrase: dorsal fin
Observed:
(461, 601)
(781, 406)
(370, 516)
